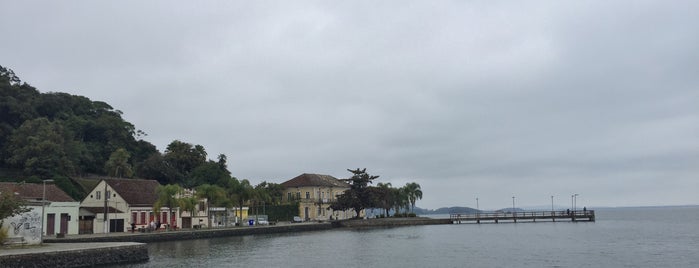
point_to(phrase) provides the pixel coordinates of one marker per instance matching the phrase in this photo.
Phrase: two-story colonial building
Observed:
(315, 193)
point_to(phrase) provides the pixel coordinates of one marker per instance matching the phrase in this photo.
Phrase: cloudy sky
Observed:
(470, 99)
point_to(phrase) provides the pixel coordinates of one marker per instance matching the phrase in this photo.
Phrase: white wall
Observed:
(58, 208)
(27, 225)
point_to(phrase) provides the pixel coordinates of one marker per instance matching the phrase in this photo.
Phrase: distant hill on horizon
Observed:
(445, 210)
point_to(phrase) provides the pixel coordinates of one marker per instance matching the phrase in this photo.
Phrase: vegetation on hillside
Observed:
(67, 138)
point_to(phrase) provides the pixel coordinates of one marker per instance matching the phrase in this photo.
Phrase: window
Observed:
(99, 195)
(288, 196)
(308, 195)
(298, 195)
(106, 194)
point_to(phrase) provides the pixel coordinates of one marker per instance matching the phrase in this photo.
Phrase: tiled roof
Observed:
(34, 191)
(314, 180)
(135, 191)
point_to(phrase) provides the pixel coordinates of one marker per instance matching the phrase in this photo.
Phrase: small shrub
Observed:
(3, 235)
(412, 215)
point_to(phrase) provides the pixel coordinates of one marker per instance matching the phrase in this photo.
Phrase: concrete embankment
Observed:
(74, 255)
(117, 248)
(389, 222)
(190, 234)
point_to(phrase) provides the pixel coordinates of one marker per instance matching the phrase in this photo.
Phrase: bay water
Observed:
(621, 237)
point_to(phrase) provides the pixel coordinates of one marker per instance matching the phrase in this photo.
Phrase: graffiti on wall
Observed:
(27, 225)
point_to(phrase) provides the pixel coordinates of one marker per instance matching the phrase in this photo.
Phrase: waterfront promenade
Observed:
(117, 248)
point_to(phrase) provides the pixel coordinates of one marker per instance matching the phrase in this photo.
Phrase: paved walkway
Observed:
(59, 247)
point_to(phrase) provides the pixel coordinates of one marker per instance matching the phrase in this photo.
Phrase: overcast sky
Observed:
(470, 99)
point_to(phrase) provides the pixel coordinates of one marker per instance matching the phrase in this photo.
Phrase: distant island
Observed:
(445, 210)
(459, 210)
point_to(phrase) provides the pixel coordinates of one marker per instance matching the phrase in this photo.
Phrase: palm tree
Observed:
(188, 204)
(414, 193)
(215, 196)
(241, 192)
(167, 197)
(401, 198)
(386, 199)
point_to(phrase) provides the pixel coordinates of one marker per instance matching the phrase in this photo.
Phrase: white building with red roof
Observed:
(60, 214)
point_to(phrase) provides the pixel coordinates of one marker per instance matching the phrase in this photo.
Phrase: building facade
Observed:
(315, 193)
(115, 204)
(58, 215)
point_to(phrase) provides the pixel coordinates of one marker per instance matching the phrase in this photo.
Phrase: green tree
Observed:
(273, 192)
(241, 192)
(168, 196)
(207, 173)
(10, 205)
(156, 168)
(384, 196)
(358, 196)
(413, 192)
(188, 204)
(215, 195)
(184, 157)
(118, 164)
(39, 148)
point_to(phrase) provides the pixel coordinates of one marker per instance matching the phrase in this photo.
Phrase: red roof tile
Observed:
(135, 191)
(33, 191)
(314, 180)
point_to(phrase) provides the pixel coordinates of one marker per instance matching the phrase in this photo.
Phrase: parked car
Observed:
(296, 219)
(262, 222)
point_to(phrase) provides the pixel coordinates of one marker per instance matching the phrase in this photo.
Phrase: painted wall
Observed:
(27, 225)
(59, 208)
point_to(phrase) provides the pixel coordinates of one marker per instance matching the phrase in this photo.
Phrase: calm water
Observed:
(626, 237)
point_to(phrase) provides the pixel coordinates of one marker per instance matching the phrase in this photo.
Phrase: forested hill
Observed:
(58, 136)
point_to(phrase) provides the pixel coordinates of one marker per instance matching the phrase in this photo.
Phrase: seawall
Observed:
(190, 234)
(74, 255)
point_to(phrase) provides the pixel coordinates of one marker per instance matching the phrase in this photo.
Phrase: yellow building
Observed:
(315, 193)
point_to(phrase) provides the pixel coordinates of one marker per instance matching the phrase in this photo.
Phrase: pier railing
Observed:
(577, 215)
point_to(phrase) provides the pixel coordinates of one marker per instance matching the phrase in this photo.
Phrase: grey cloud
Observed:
(469, 99)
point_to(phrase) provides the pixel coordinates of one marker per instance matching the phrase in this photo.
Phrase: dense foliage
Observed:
(383, 195)
(58, 134)
(61, 136)
(64, 137)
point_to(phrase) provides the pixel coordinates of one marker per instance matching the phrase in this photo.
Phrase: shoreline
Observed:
(119, 248)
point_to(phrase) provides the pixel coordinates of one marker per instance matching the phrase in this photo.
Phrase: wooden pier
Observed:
(524, 216)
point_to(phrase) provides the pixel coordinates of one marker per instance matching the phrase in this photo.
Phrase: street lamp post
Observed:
(477, 207)
(513, 206)
(43, 214)
(575, 202)
(552, 205)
